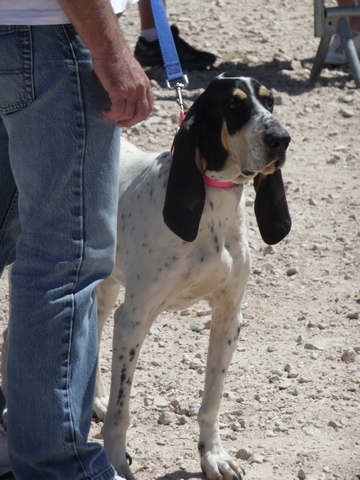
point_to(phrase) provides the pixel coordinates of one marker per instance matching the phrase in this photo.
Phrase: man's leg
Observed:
(64, 158)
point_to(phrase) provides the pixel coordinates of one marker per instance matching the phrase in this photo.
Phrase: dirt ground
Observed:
(291, 406)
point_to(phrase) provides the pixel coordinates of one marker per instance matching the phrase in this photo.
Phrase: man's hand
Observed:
(128, 88)
(115, 66)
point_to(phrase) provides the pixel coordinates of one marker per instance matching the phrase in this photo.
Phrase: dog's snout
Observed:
(277, 138)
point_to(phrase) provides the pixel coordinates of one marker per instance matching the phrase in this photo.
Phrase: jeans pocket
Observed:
(16, 71)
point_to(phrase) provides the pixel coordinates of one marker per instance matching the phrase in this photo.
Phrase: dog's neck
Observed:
(215, 183)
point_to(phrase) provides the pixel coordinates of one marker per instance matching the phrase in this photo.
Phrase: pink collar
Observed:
(214, 183)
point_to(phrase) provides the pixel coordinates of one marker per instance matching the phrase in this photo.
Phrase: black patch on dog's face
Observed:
(227, 100)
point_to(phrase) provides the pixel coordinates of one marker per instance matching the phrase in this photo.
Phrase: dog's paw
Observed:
(219, 465)
(99, 406)
(125, 472)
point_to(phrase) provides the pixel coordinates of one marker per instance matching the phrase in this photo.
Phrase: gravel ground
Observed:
(292, 398)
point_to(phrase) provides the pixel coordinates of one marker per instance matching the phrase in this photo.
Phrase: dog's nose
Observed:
(277, 138)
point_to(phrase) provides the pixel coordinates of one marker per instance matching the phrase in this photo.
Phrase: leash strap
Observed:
(175, 76)
(167, 46)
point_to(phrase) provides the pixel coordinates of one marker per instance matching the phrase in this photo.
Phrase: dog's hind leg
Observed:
(106, 295)
(131, 326)
(5, 349)
(225, 329)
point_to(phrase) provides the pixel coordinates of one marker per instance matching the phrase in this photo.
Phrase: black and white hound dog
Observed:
(182, 238)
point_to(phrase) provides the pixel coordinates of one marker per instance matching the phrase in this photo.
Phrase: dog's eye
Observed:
(270, 101)
(234, 104)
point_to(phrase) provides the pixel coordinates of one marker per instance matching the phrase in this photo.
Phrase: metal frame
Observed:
(332, 21)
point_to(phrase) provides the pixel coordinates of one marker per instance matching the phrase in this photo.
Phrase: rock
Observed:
(197, 326)
(165, 418)
(309, 431)
(292, 271)
(335, 425)
(349, 355)
(182, 419)
(256, 458)
(284, 384)
(186, 359)
(243, 454)
(347, 112)
(353, 315)
(301, 474)
(196, 364)
(312, 346)
(347, 98)
(297, 392)
(160, 402)
(193, 409)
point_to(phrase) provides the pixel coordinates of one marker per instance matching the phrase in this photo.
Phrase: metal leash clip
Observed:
(178, 86)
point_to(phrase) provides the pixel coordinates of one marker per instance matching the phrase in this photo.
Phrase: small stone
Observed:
(309, 431)
(304, 380)
(256, 458)
(182, 419)
(312, 346)
(301, 474)
(160, 402)
(197, 326)
(203, 313)
(312, 202)
(347, 98)
(298, 392)
(165, 418)
(243, 454)
(347, 112)
(196, 364)
(194, 409)
(292, 271)
(186, 359)
(349, 355)
(353, 315)
(334, 424)
(284, 384)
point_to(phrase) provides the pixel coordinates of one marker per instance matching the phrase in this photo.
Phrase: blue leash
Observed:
(175, 76)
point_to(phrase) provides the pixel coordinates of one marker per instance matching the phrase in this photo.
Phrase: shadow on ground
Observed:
(272, 73)
(181, 475)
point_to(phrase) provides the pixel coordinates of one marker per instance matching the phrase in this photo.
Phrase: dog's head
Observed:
(231, 134)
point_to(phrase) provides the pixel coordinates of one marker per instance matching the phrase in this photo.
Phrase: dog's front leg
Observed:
(216, 463)
(129, 334)
(106, 295)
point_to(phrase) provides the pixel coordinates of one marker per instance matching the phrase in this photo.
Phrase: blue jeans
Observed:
(64, 160)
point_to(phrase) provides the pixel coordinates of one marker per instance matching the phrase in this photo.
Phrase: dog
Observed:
(182, 237)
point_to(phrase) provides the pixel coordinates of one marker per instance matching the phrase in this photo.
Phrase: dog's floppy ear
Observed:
(185, 194)
(271, 209)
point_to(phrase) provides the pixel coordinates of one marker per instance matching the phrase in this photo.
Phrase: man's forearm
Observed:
(97, 25)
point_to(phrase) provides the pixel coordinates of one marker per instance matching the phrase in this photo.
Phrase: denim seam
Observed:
(80, 155)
